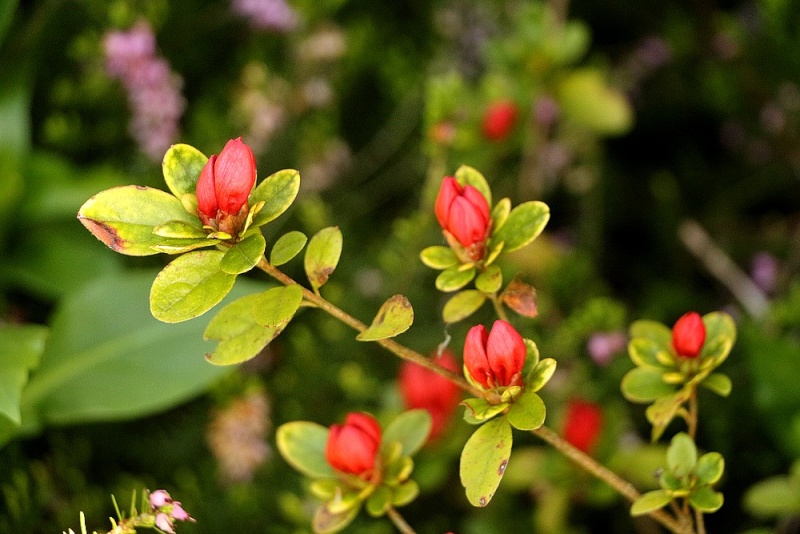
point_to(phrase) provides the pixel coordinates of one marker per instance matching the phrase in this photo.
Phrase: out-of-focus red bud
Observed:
(582, 424)
(425, 389)
(225, 182)
(499, 119)
(463, 212)
(495, 359)
(353, 447)
(688, 335)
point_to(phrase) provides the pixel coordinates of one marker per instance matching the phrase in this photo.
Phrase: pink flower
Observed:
(225, 184)
(499, 119)
(582, 424)
(159, 498)
(425, 389)
(353, 447)
(164, 522)
(688, 335)
(495, 359)
(463, 213)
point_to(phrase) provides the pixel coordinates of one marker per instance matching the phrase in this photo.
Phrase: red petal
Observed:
(235, 173)
(206, 192)
(477, 199)
(505, 352)
(449, 190)
(475, 359)
(466, 222)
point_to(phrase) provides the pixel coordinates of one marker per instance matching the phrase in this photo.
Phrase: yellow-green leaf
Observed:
(394, 317)
(322, 255)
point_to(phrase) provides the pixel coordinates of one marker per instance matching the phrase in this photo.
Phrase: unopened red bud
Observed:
(688, 335)
(463, 212)
(226, 181)
(582, 424)
(499, 119)
(353, 447)
(495, 359)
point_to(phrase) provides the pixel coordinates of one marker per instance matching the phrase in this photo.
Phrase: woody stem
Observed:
(399, 522)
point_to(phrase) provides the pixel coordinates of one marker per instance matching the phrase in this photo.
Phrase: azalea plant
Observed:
(211, 222)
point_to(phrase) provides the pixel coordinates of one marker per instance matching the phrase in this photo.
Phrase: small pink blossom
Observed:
(159, 498)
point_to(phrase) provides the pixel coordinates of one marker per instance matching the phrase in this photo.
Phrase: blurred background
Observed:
(664, 135)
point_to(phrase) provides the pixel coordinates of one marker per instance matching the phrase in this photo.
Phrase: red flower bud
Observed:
(495, 359)
(582, 424)
(463, 212)
(499, 119)
(353, 447)
(688, 335)
(226, 181)
(425, 389)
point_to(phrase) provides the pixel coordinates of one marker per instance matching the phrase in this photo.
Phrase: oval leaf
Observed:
(278, 191)
(454, 278)
(181, 167)
(706, 499)
(124, 218)
(438, 257)
(189, 286)
(527, 412)
(541, 374)
(650, 502)
(490, 280)
(244, 255)
(681, 455)
(287, 247)
(524, 224)
(484, 460)
(466, 175)
(394, 317)
(302, 445)
(410, 429)
(644, 385)
(644, 352)
(276, 306)
(500, 213)
(240, 337)
(327, 521)
(709, 468)
(718, 383)
(322, 255)
(462, 305)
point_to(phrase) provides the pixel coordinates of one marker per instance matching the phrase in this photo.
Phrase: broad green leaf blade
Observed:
(653, 330)
(379, 502)
(681, 455)
(643, 384)
(322, 255)
(650, 502)
(327, 521)
(527, 412)
(484, 460)
(438, 257)
(462, 305)
(124, 218)
(405, 493)
(706, 499)
(276, 307)
(541, 374)
(240, 337)
(720, 337)
(454, 278)
(302, 445)
(287, 247)
(500, 213)
(278, 191)
(709, 468)
(524, 224)
(772, 497)
(244, 255)
(179, 230)
(663, 411)
(466, 175)
(20, 350)
(189, 286)
(394, 317)
(718, 383)
(105, 331)
(646, 352)
(490, 280)
(181, 166)
(410, 428)
(478, 410)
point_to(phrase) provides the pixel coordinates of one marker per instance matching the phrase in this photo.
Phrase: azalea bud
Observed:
(225, 183)
(422, 388)
(463, 213)
(582, 424)
(499, 119)
(353, 447)
(495, 359)
(688, 335)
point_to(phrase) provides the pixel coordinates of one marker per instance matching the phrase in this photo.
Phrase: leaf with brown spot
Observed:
(322, 255)
(521, 298)
(484, 453)
(394, 317)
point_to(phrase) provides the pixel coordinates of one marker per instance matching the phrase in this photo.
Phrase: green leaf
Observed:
(466, 175)
(379, 502)
(454, 278)
(719, 325)
(244, 255)
(644, 384)
(394, 317)
(479, 410)
(124, 218)
(681, 455)
(484, 460)
(322, 255)
(540, 374)
(709, 468)
(663, 411)
(527, 412)
(706, 499)
(276, 307)
(179, 246)
(652, 330)
(718, 383)
(327, 522)
(20, 350)
(585, 98)
(650, 502)
(287, 247)
(278, 191)
(500, 213)
(462, 305)
(181, 166)
(490, 280)
(773, 497)
(240, 337)
(438, 257)
(302, 445)
(524, 224)
(646, 352)
(189, 286)
(105, 331)
(179, 230)
(405, 493)
(410, 429)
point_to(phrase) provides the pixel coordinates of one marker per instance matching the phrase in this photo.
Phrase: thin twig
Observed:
(399, 522)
